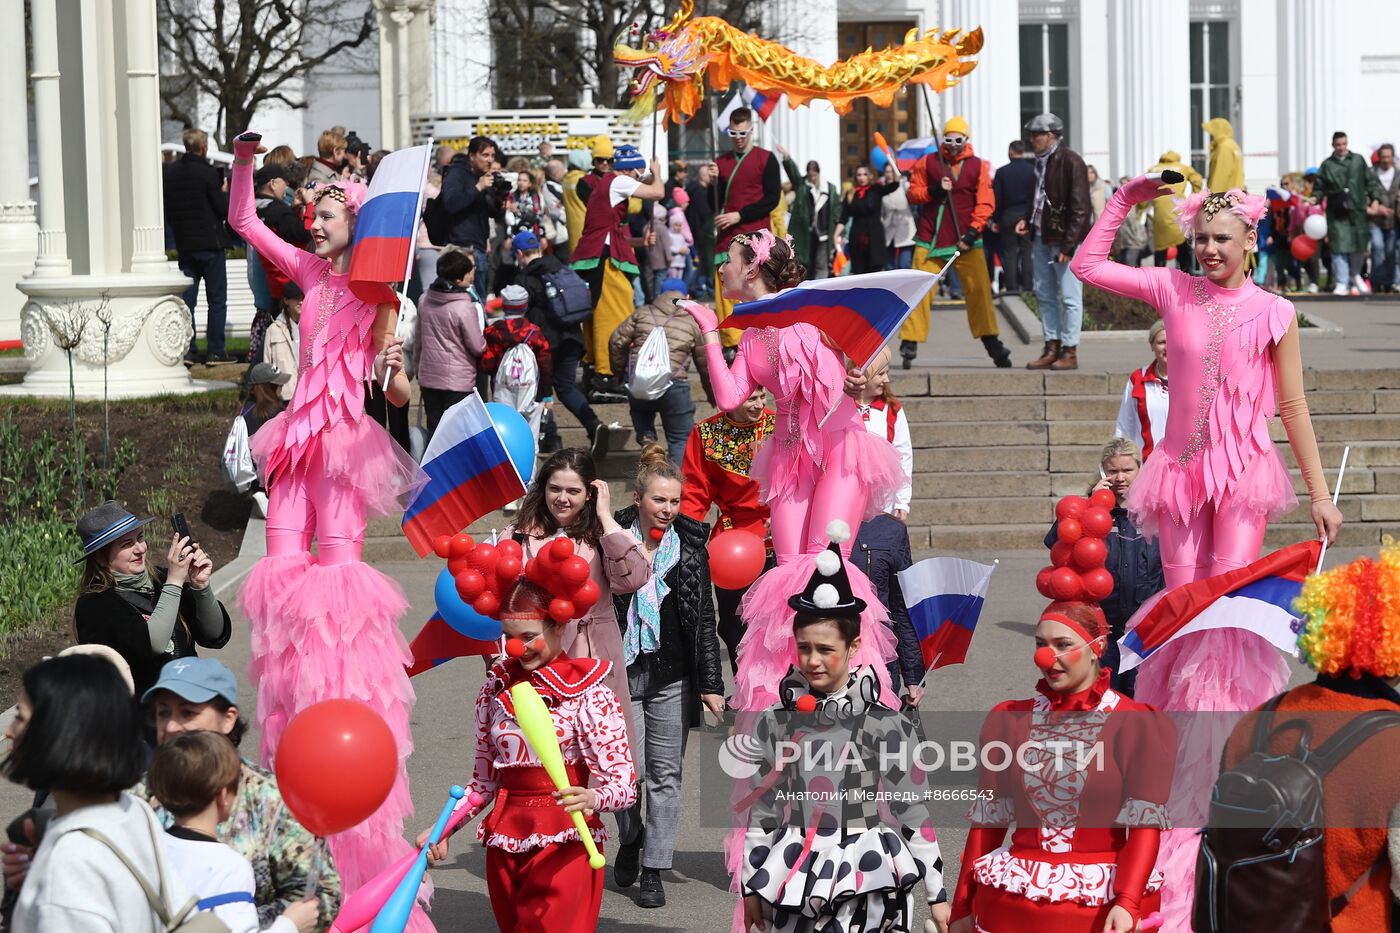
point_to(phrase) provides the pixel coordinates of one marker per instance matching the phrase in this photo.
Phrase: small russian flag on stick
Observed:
(944, 596)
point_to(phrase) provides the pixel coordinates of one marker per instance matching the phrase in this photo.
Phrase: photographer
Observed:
(472, 194)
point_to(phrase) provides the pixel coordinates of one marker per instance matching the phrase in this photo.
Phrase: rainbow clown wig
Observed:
(1352, 617)
(1249, 208)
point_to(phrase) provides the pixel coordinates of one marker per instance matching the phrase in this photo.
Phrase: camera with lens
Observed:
(501, 185)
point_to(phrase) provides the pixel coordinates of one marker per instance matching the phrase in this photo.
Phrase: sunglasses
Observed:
(954, 140)
(737, 134)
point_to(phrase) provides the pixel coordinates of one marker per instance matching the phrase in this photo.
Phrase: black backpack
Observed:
(1261, 864)
(568, 297)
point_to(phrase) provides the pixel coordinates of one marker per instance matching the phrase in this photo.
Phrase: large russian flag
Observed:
(438, 642)
(387, 224)
(944, 596)
(859, 312)
(1258, 598)
(469, 475)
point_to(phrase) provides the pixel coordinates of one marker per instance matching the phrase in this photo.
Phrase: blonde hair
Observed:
(655, 463)
(195, 140)
(1157, 327)
(280, 155)
(329, 142)
(1119, 447)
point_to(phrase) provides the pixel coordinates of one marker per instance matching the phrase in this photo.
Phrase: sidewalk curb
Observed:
(254, 546)
(1022, 321)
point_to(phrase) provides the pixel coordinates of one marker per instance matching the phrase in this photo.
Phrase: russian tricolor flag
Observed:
(439, 642)
(764, 105)
(1258, 598)
(912, 150)
(469, 475)
(387, 224)
(944, 596)
(859, 312)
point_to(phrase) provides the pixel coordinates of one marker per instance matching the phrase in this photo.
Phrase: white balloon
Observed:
(1315, 226)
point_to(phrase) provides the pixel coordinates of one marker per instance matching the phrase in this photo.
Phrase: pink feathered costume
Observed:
(327, 627)
(1208, 491)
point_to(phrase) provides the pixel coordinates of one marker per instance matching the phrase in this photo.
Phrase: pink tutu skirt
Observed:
(358, 454)
(787, 472)
(1167, 490)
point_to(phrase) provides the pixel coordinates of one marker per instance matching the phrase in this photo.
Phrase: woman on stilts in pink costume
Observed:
(327, 627)
(1215, 481)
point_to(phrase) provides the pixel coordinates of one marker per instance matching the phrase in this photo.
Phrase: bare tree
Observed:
(548, 49)
(243, 53)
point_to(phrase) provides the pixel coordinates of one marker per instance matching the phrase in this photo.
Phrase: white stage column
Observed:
(19, 234)
(1312, 86)
(1089, 132)
(990, 97)
(1148, 115)
(122, 312)
(405, 71)
(812, 131)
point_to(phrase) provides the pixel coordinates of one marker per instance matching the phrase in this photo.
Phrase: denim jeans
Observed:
(481, 284)
(426, 264)
(1344, 266)
(677, 411)
(1059, 293)
(658, 716)
(567, 355)
(899, 257)
(1383, 257)
(207, 265)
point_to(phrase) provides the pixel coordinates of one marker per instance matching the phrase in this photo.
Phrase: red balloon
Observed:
(535, 571)
(508, 569)
(336, 765)
(470, 584)
(1097, 522)
(442, 546)
(806, 703)
(1065, 584)
(561, 610)
(1070, 530)
(1171, 252)
(1089, 553)
(736, 559)
(1042, 582)
(483, 557)
(573, 570)
(586, 596)
(461, 545)
(514, 647)
(561, 549)
(511, 548)
(487, 604)
(1061, 553)
(456, 565)
(1303, 248)
(1104, 499)
(1070, 507)
(1098, 583)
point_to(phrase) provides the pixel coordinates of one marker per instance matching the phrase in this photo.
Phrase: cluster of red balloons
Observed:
(566, 577)
(1077, 559)
(483, 572)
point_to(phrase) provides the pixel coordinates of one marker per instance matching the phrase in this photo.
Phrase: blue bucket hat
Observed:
(99, 527)
(628, 157)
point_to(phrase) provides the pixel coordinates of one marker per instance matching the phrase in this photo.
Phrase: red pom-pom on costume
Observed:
(461, 545)
(806, 703)
(442, 546)
(1070, 507)
(1096, 522)
(488, 604)
(514, 647)
(1061, 553)
(561, 610)
(1098, 583)
(573, 570)
(1104, 499)
(1065, 584)
(511, 548)
(1042, 583)
(508, 570)
(1089, 553)
(483, 557)
(561, 549)
(470, 584)
(535, 571)
(456, 565)
(1070, 530)
(586, 596)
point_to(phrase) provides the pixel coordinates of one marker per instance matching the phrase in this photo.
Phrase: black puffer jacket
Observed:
(196, 205)
(881, 551)
(690, 582)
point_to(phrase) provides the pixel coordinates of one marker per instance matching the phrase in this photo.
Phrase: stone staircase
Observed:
(995, 449)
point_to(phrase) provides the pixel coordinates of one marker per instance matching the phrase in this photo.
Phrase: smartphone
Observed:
(180, 527)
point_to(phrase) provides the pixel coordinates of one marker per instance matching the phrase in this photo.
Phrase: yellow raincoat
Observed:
(1226, 165)
(1165, 232)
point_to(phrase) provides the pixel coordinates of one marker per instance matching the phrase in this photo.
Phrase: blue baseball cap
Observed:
(675, 285)
(197, 680)
(525, 241)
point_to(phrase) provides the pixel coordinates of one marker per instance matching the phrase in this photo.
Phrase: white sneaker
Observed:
(1341, 290)
(1362, 284)
(1312, 288)
(260, 504)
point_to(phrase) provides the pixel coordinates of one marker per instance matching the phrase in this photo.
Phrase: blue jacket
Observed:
(882, 550)
(1136, 565)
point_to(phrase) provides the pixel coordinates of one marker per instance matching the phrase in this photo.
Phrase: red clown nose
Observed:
(806, 703)
(657, 534)
(1045, 658)
(514, 647)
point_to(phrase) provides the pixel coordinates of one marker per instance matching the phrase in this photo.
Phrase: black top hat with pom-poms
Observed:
(828, 592)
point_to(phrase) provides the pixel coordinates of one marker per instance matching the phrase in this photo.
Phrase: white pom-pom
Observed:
(828, 562)
(826, 596)
(838, 531)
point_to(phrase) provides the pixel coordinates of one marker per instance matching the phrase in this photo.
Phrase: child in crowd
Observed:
(679, 237)
(283, 340)
(195, 776)
(537, 870)
(833, 864)
(517, 357)
(884, 417)
(450, 335)
(265, 401)
(658, 251)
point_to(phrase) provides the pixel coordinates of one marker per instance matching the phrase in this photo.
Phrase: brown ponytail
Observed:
(780, 270)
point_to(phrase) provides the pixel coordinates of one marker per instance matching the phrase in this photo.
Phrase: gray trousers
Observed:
(658, 714)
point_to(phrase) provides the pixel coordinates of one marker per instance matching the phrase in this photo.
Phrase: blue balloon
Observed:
(457, 613)
(516, 434)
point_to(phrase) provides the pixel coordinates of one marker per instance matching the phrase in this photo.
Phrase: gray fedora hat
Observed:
(99, 527)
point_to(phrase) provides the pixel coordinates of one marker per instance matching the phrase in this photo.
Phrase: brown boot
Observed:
(1048, 356)
(1069, 359)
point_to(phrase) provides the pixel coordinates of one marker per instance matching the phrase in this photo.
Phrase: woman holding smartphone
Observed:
(147, 614)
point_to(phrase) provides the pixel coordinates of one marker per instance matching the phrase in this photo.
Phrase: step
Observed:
(958, 540)
(985, 483)
(984, 434)
(1084, 458)
(1328, 379)
(1009, 458)
(1346, 428)
(1387, 402)
(985, 510)
(995, 382)
(1099, 408)
(1003, 408)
